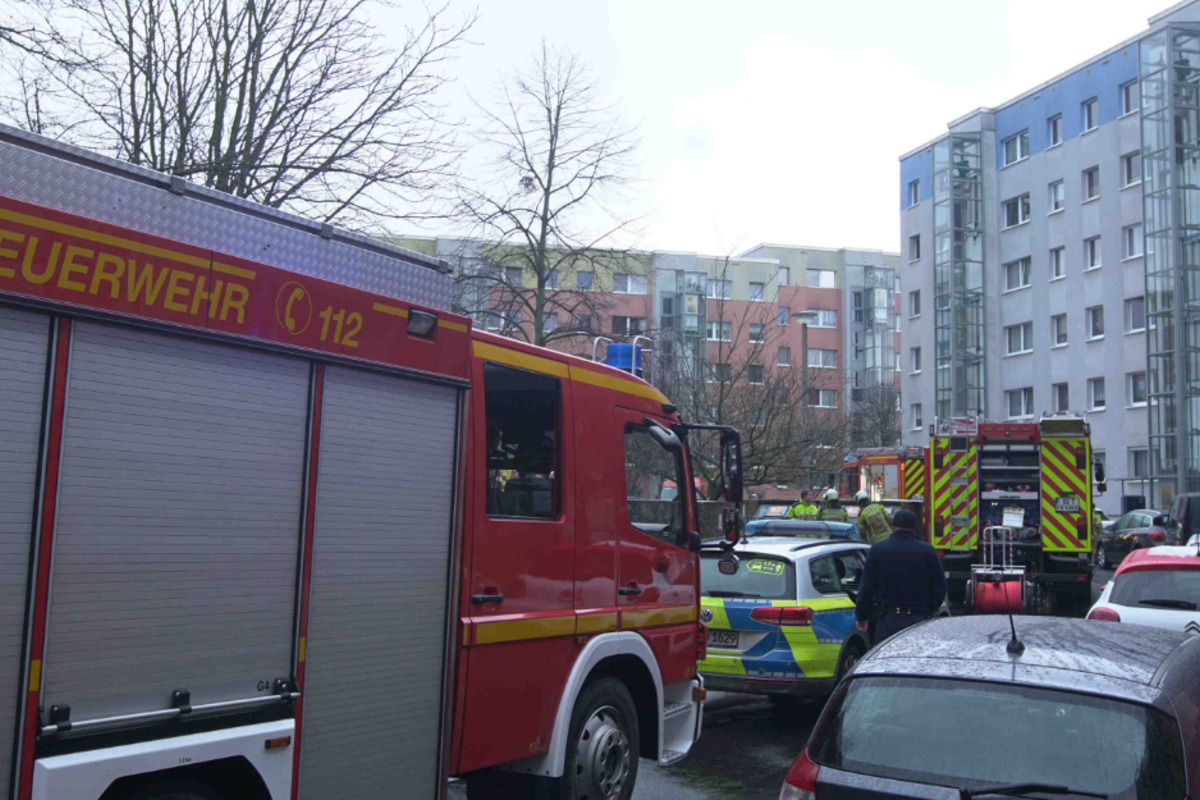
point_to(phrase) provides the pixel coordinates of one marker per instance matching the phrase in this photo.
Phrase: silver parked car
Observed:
(950, 710)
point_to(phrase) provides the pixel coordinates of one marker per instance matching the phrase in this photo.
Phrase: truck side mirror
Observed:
(1098, 471)
(731, 466)
(665, 437)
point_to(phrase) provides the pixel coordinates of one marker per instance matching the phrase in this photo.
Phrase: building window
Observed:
(499, 319)
(825, 359)
(1135, 388)
(1095, 389)
(1016, 148)
(719, 373)
(552, 279)
(914, 303)
(820, 279)
(512, 276)
(720, 332)
(914, 193)
(1054, 129)
(785, 276)
(523, 417)
(584, 281)
(916, 415)
(1131, 238)
(1091, 252)
(629, 326)
(1139, 462)
(1020, 338)
(822, 398)
(1016, 211)
(1091, 118)
(1130, 98)
(756, 332)
(1058, 329)
(914, 247)
(549, 322)
(783, 357)
(1131, 169)
(1016, 274)
(583, 322)
(756, 290)
(1091, 183)
(755, 373)
(1058, 268)
(914, 354)
(1060, 396)
(1057, 196)
(718, 290)
(825, 318)
(629, 284)
(1095, 322)
(1135, 314)
(1020, 402)
(784, 317)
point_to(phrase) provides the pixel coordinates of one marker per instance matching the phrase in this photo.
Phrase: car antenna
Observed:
(1015, 646)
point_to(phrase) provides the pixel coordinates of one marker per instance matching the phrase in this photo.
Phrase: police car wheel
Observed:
(851, 655)
(602, 744)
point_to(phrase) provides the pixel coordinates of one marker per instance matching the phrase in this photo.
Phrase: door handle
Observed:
(490, 595)
(629, 591)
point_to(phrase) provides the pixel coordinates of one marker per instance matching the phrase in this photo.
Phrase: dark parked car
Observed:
(1134, 530)
(946, 710)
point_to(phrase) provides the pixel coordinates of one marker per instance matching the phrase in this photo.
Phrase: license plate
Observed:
(723, 639)
(1068, 504)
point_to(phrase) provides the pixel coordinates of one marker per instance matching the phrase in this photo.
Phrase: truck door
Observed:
(954, 502)
(656, 574)
(520, 610)
(1066, 496)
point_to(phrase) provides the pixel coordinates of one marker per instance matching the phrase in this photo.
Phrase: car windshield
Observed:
(757, 577)
(969, 734)
(1158, 586)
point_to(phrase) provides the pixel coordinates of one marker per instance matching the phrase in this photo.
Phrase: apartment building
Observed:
(1046, 241)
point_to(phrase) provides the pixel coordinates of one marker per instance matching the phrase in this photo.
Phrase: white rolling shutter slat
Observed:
(24, 341)
(178, 522)
(377, 615)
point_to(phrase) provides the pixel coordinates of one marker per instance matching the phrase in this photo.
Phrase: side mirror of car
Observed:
(728, 565)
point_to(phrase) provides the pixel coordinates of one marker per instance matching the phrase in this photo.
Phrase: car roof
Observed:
(1164, 557)
(1078, 655)
(1151, 511)
(791, 548)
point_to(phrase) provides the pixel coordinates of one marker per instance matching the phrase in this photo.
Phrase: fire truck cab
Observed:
(1029, 482)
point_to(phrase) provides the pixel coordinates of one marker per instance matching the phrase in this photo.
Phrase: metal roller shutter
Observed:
(178, 522)
(24, 339)
(377, 613)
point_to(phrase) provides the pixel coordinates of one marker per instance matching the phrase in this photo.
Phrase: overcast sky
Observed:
(783, 121)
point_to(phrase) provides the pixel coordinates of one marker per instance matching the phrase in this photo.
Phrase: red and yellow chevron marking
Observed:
(1062, 478)
(954, 496)
(939, 493)
(914, 479)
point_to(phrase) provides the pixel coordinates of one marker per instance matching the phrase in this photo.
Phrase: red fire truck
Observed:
(885, 473)
(277, 525)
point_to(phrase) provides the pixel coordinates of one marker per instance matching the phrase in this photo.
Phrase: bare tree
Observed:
(300, 104)
(561, 159)
(734, 380)
(875, 417)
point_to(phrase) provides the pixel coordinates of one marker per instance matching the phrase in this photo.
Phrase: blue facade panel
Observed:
(918, 166)
(1102, 80)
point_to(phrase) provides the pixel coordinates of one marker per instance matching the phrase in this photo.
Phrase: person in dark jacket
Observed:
(903, 581)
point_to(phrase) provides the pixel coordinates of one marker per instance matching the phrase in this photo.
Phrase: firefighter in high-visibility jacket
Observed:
(832, 510)
(873, 521)
(802, 508)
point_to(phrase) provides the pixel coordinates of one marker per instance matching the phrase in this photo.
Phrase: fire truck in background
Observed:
(885, 473)
(1028, 487)
(277, 525)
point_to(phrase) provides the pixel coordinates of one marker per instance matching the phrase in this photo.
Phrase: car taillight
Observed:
(1104, 615)
(772, 615)
(701, 641)
(801, 780)
(1157, 536)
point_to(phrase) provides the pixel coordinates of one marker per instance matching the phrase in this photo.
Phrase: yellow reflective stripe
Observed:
(35, 675)
(617, 384)
(516, 358)
(722, 664)
(454, 326)
(300, 650)
(395, 311)
(515, 630)
(600, 622)
(663, 615)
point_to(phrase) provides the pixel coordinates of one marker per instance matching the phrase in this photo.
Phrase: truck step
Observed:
(675, 709)
(670, 757)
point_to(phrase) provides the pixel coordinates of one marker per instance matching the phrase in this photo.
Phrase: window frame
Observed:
(1025, 393)
(914, 192)
(677, 539)
(1090, 185)
(718, 289)
(820, 352)
(1054, 129)
(1055, 396)
(1093, 256)
(1131, 400)
(1130, 239)
(914, 295)
(1024, 274)
(1025, 331)
(1056, 203)
(1023, 207)
(914, 360)
(1091, 114)
(1092, 383)
(1130, 318)
(591, 281)
(786, 352)
(914, 248)
(917, 421)
(1091, 314)
(1127, 106)
(724, 331)
(1057, 322)
(1129, 175)
(761, 292)
(1021, 149)
(1058, 263)
(556, 500)
(762, 332)
(762, 374)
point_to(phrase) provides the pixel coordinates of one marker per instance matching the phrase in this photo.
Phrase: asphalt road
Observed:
(747, 745)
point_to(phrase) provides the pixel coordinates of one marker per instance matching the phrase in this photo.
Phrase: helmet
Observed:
(862, 496)
(831, 495)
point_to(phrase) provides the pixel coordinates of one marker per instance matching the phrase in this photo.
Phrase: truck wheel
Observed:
(602, 744)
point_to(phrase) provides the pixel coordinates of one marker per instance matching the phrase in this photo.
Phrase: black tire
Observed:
(603, 744)
(852, 653)
(499, 785)
(1102, 558)
(176, 790)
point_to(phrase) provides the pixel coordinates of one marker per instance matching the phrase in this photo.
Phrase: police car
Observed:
(782, 623)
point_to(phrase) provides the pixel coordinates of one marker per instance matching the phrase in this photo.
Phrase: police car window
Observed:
(833, 574)
(522, 443)
(757, 578)
(653, 477)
